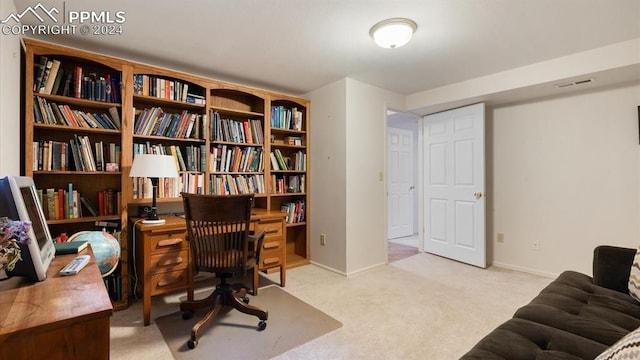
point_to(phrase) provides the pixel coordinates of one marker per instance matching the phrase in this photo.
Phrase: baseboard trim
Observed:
(344, 273)
(525, 269)
(329, 268)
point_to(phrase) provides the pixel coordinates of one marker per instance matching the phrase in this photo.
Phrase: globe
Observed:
(106, 249)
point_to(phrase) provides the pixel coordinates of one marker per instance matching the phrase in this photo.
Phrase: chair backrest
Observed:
(218, 231)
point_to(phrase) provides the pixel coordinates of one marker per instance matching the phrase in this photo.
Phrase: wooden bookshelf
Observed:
(51, 169)
(143, 87)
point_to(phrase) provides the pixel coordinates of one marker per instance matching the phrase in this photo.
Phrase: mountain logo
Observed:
(35, 12)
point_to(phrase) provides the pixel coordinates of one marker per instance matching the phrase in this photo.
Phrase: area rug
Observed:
(234, 335)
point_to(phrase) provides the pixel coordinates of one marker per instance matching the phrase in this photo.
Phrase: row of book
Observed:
(169, 187)
(285, 118)
(287, 184)
(239, 131)
(150, 85)
(187, 158)
(155, 122)
(76, 155)
(69, 203)
(294, 210)
(235, 159)
(53, 78)
(48, 112)
(298, 162)
(113, 283)
(237, 184)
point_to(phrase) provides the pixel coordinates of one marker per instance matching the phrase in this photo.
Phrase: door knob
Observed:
(412, 187)
(477, 195)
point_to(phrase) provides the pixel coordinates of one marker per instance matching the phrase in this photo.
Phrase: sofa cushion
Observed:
(634, 277)
(627, 348)
(570, 319)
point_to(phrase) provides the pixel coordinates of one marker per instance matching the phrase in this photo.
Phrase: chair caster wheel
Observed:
(262, 325)
(192, 344)
(186, 315)
(245, 299)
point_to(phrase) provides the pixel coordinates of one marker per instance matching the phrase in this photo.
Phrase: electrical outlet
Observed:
(535, 245)
(500, 237)
(323, 239)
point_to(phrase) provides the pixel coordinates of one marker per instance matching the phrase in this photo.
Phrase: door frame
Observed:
(418, 161)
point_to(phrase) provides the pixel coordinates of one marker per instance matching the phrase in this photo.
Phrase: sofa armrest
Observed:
(611, 267)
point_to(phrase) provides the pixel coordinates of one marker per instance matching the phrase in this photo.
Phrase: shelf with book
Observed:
(288, 171)
(73, 137)
(169, 118)
(236, 142)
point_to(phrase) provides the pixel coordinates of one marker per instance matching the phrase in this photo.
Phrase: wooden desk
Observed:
(162, 254)
(62, 317)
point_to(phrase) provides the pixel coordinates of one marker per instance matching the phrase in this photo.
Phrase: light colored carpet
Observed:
(233, 335)
(421, 307)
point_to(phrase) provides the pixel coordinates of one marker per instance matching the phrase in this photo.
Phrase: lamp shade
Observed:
(153, 166)
(393, 33)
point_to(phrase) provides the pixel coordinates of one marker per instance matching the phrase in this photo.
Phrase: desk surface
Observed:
(178, 221)
(57, 301)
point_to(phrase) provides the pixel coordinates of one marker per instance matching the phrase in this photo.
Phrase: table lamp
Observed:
(153, 166)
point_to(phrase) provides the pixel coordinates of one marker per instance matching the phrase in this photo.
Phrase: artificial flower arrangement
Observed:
(12, 233)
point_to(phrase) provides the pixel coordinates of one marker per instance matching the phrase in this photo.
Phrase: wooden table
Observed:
(62, 317)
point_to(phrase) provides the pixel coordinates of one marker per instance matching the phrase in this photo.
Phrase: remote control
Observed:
(75, 265)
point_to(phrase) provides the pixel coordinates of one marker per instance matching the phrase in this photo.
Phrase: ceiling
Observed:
(296, 46)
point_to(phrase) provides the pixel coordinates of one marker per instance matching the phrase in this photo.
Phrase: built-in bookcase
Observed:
(87, 115)
(73, 140)
(289, 171)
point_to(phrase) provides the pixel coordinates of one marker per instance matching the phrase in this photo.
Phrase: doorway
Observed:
(403, 137)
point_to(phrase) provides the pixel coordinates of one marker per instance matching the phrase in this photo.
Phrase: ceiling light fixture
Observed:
(393, 33)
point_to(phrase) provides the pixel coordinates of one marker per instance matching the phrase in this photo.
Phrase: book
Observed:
(70, 247)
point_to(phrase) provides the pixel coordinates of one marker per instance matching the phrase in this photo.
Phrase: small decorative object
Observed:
(106, 249)
(12, 233)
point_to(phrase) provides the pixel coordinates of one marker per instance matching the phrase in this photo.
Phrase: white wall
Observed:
(348, 154)
(328, 159)
(366, 162)
(10, 90)
(564, 172)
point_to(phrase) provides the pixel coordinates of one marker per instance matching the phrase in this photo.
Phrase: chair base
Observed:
(222, 296)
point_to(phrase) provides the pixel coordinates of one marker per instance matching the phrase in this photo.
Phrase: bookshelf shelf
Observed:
(84, 219)
(226, 111)
(76, 129)
(74, 173)
(154, 101)
(79, 102)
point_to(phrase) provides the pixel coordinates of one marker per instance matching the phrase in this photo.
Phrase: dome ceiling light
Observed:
(393, 33)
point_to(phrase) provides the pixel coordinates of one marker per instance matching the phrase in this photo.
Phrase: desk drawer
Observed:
(270, 259)
(271, 227)
(168, 281)
(167, 241)
(169, 261)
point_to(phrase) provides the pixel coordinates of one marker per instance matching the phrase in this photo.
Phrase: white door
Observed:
(454, 199)
(400, 183)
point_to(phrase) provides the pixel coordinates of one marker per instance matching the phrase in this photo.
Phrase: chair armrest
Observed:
(257, 239)
(611, 267)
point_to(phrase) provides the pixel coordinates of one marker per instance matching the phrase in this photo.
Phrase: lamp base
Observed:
(153, 221)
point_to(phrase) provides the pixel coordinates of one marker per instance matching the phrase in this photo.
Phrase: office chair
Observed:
(220, 243)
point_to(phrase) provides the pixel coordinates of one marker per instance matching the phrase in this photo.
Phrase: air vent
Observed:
(572, 83)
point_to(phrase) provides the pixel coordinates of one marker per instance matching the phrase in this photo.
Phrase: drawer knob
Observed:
(271, 245)
(170, 262)
(271, 261)
(169, 242)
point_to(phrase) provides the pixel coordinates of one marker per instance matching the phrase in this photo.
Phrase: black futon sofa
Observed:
(574, 317)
